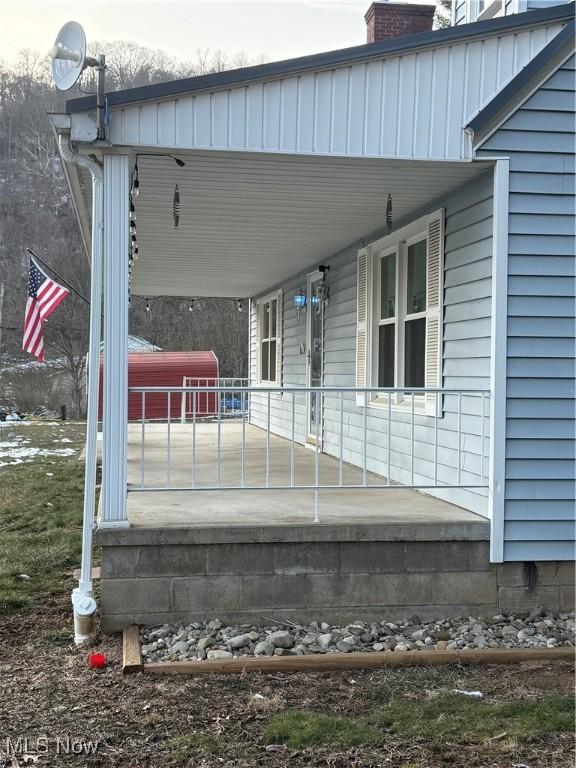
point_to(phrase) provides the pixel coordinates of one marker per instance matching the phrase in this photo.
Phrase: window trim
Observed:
(397, 242)
(260, 304)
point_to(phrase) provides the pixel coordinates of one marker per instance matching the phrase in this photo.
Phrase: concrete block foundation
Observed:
(334, 573)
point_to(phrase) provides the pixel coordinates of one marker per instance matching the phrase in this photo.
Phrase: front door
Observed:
(315, 355)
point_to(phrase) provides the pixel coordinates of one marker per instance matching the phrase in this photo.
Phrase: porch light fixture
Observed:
(300, 301)
(240, 307)
(191, 307)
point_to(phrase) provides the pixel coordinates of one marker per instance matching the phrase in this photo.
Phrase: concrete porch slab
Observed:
(397, 507)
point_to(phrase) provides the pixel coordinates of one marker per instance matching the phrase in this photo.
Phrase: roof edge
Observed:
(357, 53)
(550, 58)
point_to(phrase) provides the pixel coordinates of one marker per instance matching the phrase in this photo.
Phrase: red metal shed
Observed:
(168, 369)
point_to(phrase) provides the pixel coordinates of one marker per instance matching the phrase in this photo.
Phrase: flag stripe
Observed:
(44, 296)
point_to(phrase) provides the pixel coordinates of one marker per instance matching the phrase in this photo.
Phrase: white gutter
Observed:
(82, 596)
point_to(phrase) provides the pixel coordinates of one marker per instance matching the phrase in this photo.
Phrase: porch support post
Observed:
(115, 411)
(499, 344)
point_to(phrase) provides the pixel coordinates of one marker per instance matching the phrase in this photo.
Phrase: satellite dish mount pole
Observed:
(100, 96)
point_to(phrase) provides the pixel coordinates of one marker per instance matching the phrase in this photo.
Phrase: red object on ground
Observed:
(96, 660)
(168, 369)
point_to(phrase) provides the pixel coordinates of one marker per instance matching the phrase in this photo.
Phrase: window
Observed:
(269, 334)
(399, 297)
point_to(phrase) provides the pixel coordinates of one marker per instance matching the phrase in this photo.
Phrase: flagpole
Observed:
(60, 278)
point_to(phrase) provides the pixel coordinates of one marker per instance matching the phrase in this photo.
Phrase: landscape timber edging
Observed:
(375, 660)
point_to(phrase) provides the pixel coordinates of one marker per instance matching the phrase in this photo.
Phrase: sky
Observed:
(275, 29)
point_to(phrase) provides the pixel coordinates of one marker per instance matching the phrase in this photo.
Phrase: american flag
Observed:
(44, 296)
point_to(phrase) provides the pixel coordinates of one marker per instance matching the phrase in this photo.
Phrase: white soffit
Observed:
(250, 221)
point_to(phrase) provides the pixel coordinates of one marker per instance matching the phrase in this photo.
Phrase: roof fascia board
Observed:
(380, 49)
(521, 87)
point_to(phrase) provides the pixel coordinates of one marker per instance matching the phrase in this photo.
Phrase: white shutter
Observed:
(434, 313)
(255, 321)
(362, 315)
(279, 336)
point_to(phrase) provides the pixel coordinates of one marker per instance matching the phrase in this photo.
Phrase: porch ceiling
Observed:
(250, 221)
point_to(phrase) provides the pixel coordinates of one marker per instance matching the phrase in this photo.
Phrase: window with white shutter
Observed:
(399, 323)
(269, 339)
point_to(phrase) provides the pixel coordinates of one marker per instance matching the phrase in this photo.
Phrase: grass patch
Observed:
(40, 520)
(444, 718)
(57, 637)
(307, 729)
(187, 747)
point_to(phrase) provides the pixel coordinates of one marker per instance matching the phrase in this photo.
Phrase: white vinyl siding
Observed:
(539, 139)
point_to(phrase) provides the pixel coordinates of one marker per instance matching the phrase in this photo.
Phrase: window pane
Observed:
(266, 321)
(264, 361)
(386, 355)
(272, 361)
(272, 306)
(415, 353)
(388, 286)
(416, 293)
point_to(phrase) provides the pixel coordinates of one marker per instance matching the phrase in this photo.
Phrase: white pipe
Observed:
(83, 593)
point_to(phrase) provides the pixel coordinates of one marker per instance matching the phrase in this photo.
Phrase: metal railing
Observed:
(368, 438)
(227, 401)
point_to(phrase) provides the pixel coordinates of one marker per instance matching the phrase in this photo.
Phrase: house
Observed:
(400, 215)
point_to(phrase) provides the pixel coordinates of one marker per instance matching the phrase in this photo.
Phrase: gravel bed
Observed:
(214, 640)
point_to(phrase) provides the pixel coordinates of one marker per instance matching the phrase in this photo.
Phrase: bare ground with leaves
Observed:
(47, 689)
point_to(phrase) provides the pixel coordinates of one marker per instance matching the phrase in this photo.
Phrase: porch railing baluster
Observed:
(169, 457)
(142, 448)
(328, 407)
(341, 461)
(268, 441)
(459, 438)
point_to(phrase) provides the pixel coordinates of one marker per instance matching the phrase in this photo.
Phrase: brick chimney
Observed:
(386, 19)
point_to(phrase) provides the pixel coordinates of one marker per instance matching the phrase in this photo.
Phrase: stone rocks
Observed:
(220, 655)
(264, 648)
(213, 639)
(281, 639)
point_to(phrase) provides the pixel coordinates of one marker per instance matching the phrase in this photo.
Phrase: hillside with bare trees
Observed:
(36, 212)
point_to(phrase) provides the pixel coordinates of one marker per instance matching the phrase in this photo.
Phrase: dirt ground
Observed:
(47, 689)
(55, 711)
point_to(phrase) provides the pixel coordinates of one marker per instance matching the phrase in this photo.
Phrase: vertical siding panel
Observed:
(356, 109)
(254, 116)
(407, 98)
(473, 80)
(149, 124)
(131, 126)
(424, 110)
(289, 111)
(237, 118)
(272, 115)
(439, 99)
(373, 109)
(323, 128)
(341, 86)
(506, 48)
(202, 120)
(306, 113)
(390, 106)
(454, 117)
(489, 70)
(219, 120)
(167, 123)
(522, 50)
(184, 122)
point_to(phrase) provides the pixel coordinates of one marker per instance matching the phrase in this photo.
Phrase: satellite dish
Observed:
(68, 55)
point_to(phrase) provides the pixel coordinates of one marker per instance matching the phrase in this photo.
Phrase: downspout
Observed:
(82, 596)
